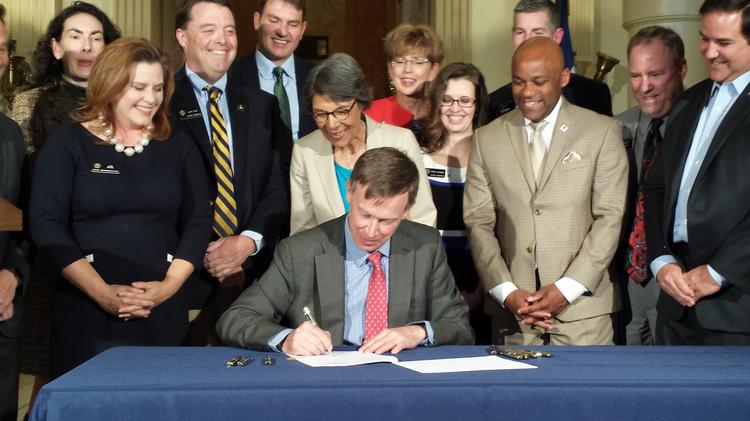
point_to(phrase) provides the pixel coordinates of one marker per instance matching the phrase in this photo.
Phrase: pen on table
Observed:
(310, 319)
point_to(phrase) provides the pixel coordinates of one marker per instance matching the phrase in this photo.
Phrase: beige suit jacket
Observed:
(315, 193)
(568, 227)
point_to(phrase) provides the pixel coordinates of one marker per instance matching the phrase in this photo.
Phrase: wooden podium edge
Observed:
(11, 218)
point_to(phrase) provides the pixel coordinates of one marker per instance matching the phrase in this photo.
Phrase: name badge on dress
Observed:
(435, 172)
(99, 168)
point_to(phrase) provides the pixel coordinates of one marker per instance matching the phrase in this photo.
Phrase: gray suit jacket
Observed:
(11, 254)
(308, 270)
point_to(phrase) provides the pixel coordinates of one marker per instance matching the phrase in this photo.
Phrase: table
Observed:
(577, 383)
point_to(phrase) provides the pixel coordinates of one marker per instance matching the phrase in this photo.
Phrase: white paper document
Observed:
(457, 365)
(344, 359)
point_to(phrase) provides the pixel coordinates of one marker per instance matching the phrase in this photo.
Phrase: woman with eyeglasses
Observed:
(458, 107)
(415, 53)
(323, 160)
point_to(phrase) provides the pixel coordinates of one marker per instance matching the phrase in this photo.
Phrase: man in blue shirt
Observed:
(273, 66)
(246, 149)
(697, 201)
(368, 278)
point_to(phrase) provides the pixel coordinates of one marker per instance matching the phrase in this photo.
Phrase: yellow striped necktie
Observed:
(225, 207)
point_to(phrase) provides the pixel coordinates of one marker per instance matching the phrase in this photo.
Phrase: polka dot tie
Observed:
(376, 308)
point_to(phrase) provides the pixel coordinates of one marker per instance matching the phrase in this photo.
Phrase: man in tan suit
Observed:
(543, 204)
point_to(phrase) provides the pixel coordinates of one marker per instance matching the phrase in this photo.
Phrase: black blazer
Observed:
(12, 254)
(581, 91)
(262, 152)
(246, 68)
(718, 208)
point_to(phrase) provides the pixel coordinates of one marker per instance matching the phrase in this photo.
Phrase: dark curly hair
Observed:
(49, 70)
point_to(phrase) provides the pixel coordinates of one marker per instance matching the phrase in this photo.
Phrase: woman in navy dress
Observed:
(458, 107)
(121, 206)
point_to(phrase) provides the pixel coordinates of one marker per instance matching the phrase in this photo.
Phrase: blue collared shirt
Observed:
(357, 271)
(713, 113)
(200, 89)
(267, 80)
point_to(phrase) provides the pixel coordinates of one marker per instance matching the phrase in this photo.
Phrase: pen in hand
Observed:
(309, 317)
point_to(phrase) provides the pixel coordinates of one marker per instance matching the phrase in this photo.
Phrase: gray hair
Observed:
(531, 6)
(340, 78)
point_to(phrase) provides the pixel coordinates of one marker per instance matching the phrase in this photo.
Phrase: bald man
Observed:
(543, 204)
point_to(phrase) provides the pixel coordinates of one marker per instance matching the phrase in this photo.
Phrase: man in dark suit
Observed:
(245, 147)
(533, 18)
(656, 60)
(370, 278)
(697, 197)
(280, 25)
(13, 265)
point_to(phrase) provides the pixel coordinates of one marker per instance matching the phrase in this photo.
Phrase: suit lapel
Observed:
(561, 136)
(239, 118)
(732, 119)
(329, 282)
(400, 279)
(186, 109)
(326, 173)
(683, 134)
(520, 144)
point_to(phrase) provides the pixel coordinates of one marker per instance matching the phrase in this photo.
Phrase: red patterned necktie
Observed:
(636, 264)
(376, 308)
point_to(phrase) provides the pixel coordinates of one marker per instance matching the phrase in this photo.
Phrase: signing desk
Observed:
(577, 383)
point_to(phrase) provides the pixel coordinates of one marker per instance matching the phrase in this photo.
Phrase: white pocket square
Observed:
(572, 157)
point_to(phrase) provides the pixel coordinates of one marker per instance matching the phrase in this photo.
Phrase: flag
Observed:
(566, 44)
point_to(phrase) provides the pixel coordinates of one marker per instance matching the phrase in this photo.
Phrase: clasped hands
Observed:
(137, 299)
(687, 288)
(310, 339)
(537, 309)
(225, 256)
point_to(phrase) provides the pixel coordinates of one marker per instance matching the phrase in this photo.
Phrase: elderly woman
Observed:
(323, 160)
(415, 53)
(120, 205)
(458, 107)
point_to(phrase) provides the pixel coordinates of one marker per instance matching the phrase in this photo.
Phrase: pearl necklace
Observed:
(128, 150)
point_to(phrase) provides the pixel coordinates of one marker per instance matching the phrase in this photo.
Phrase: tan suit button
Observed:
(538, 212)
(529, 250)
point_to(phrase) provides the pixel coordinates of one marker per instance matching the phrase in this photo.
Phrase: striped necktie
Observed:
(225, 208)
(280, 93)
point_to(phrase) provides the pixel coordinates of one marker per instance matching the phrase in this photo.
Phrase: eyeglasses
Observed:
(321, 117)
(463, 102)
(416, 61)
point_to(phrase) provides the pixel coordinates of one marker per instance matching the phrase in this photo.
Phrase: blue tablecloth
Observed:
(577, 383)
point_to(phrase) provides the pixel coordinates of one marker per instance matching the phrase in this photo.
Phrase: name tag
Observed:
(99, 168)
(189, 114)
(435, 172)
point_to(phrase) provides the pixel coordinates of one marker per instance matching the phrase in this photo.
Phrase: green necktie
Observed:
(280, 92)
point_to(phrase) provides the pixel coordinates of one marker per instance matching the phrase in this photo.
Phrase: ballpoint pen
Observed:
(310, 319)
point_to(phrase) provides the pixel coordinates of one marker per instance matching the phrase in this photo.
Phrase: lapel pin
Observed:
(240, 107)
(181, 113)
(564, 127)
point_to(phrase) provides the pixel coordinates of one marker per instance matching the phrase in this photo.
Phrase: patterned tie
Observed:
(538, 149)
(636, 262)
(225, 208)
(376, 308)
(280, 92)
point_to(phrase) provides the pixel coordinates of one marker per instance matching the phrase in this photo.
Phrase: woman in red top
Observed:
(415, 53)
